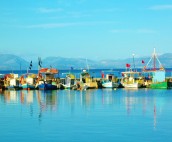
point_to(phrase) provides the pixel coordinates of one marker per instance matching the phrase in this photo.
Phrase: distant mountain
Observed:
(166, 60)
(12, 62)
(166, 56)
(67, 63)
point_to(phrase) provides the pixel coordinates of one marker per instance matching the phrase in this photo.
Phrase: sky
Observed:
(92, 29)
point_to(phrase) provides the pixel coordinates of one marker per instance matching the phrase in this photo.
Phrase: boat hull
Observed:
(132, 85)
(110, 85)
(68, 86)
(47, 87)
(14, 87)
(169, 85)
(159, 85)
(28, 86)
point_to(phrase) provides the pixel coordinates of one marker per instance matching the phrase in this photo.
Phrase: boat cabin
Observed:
(155, 76)
(48, 74)
(109, 77)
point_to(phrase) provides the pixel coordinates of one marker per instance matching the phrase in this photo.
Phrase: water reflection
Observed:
(9, 97)
(154, 116)
(142, 102)
(107, 96)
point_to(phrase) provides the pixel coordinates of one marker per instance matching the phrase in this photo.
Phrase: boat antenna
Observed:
(134, 62)
(87, 64)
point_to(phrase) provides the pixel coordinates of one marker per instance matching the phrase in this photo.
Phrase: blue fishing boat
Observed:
(47, 86)
(46, 79)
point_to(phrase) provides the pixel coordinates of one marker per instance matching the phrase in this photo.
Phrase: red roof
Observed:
(47, 70)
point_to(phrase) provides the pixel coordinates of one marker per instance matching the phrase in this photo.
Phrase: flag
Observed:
(143, 61)
(128, 65)
(31, 64)
(30, 67)
(103, 75)
(39, 62)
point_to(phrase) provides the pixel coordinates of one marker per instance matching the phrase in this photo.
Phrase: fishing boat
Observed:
(46, 79)
(131, 79)
(2, 87)
(11, 82)
(69, 81)
(28, 81)
(86, 81)
(155, 75)
(110, 81)
(27, 86)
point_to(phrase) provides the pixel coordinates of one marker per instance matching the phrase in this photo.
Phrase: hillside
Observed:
(13, 62)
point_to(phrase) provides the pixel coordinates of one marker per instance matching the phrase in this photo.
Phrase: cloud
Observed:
(146, 31)
(58, 25)
(81, 1)
(121, 31)
(91, 13)
(108, 10)
(161, 7)
(52, 25)
(49, 10)
(78, 14)
(141, 31)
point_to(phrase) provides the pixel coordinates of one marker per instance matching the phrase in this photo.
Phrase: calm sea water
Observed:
(96, 73)
(62, 73)
(101, 115)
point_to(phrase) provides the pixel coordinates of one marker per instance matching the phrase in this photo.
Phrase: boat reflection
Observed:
(128, 101)
(10, 96)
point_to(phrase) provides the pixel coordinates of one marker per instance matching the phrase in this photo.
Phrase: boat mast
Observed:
(39, 63)
(154, 60)
(20, 68)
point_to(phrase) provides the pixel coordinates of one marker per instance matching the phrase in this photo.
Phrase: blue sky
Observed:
(93, 29)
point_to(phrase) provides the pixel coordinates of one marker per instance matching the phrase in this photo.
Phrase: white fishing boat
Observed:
(69, 81)
(109, 84)
(11, 81)
(131, 79)
(110, 81)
